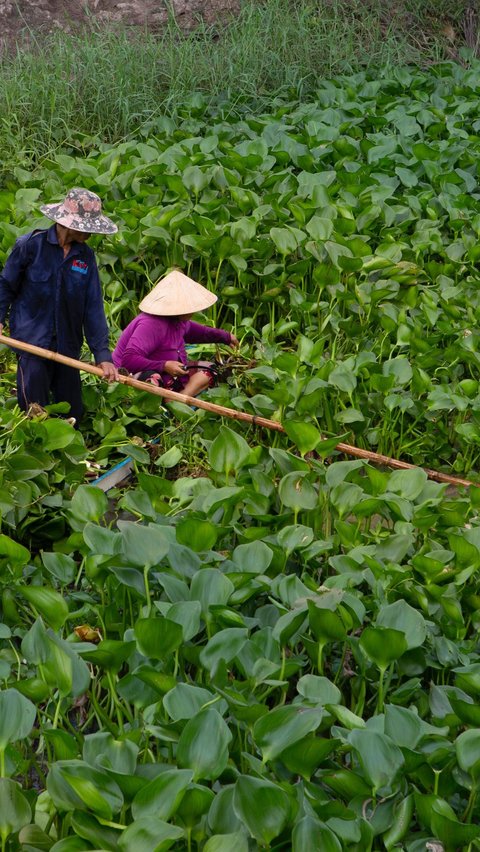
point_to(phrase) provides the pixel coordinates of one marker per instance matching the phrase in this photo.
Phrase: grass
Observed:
(51, 92)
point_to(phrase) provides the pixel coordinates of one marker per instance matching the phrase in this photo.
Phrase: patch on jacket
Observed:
(80, 266)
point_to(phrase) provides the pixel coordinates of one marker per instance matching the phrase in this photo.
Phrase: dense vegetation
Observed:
(260, 645)
(109, 84)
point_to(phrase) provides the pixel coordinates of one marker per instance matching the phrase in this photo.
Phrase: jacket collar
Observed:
(52, 238)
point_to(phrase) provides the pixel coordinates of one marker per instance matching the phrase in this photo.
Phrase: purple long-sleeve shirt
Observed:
(148, 341)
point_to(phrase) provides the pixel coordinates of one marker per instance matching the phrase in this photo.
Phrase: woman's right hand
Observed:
(175, 369)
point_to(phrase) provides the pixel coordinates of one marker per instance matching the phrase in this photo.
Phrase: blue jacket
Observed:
(54, 301)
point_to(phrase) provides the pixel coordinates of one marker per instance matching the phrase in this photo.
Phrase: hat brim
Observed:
(92, 225)
(177, 295)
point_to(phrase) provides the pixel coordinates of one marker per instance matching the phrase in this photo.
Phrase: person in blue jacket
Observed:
(51, 288)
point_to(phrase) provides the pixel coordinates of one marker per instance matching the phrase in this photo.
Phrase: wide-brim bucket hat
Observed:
(80, 210)
(175, 295)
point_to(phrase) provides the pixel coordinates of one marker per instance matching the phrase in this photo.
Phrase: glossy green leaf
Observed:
(282, 727)
(49, 603)
(73, 784)
(467, 747)
(263, 807)
(158, 638)
(203, 745)
(380, 758)
(149, 834)
(304, 435)
(17, 717)
(162, 796)
(144, 546)
(235, 842)
(228, 451)
(196, 533)
(383, 645)
(310, 835)
(88, 504)
(224, 645)
(13, 551)
(402, 617)
(15, 811)
(297, 492)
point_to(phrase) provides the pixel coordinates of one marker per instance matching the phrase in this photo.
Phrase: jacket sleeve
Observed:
(197, 333)
(94, 320)
(12, 275)
(136, 356)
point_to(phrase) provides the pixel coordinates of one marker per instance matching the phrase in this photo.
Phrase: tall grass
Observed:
(108, 83)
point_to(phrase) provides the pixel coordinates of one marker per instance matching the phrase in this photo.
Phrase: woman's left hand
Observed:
(110, 372)
(234, 342)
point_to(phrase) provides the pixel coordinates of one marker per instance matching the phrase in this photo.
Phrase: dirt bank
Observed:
(24, 20)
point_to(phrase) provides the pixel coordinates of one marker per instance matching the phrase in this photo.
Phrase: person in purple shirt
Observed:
(153, 344)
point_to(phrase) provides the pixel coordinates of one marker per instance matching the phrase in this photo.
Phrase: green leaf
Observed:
(188, 615)
(60, 434)
(13, 551)
(399, 368)
(449, 829)
(304, 435)
(253, 557)
(144, 546)
(467, 747)
(403, 726)
(162, 796)
(209, 586)
(17, 717)
(224, 645)
(149, 834)
(311, 835)
(60, 566)
(88, 504)
(203, 745)
(326, 625)
(263, 807)
(297, 492)
(282, 727)
(237, 842)
(284, 240)
(305, 756)
(185, 700)
(32, 837)
(73, 784)
(407, 483)
(295, 537)
(49, 603)
(228, 451)
(402, 617)
(343, 378)
(381, 759)
(196, 533)
(109, 654)
(15, 811)
(158, 638)
(319, 228)
(319, 690)
(383, 645)
(195, 803)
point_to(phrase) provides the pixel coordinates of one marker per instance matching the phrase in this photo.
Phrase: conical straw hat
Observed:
(177, 294)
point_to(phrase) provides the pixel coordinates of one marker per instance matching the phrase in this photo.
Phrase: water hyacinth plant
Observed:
(260, 644)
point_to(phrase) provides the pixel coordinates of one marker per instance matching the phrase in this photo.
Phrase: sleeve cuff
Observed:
(102, 355)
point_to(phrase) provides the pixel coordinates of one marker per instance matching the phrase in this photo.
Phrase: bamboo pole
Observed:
(253, 419)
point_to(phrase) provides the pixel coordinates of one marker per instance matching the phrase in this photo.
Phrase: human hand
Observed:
(1, 327)
(234, 342)
(110, 372)
(175, 369)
